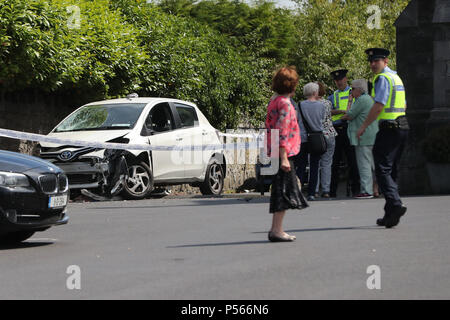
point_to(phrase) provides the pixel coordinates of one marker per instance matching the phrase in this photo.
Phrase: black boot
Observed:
(382, 222)
(394, 217)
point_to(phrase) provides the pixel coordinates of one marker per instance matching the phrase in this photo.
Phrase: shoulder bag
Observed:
(317, 145)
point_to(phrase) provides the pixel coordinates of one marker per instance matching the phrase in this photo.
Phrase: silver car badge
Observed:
(66, 155)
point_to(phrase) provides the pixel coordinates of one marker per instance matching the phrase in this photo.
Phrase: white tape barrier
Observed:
(122, 146)
(233, 135)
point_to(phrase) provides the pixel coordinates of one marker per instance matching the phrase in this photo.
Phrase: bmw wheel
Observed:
(214, 179)
(139, 183)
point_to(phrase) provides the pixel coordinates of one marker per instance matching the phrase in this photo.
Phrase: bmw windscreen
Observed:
(103, 117)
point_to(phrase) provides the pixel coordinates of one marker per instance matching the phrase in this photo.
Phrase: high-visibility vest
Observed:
(396, 104)
(340, 103)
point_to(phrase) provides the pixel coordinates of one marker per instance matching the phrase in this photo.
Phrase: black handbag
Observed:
(317, 145)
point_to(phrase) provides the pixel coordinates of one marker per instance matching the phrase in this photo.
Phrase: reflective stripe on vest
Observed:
(395, 106)
(340, 103)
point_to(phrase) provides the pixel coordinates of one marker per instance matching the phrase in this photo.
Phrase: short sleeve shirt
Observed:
(281, 115)
(382, 88)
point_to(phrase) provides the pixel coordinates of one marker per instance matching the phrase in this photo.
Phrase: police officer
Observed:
(340, 102)
(389, 108)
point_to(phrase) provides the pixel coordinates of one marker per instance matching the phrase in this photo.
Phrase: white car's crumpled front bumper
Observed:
(96, 170)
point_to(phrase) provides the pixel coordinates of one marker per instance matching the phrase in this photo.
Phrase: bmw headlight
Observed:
(13, 180)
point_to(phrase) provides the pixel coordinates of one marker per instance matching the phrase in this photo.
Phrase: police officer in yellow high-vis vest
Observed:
(389, 108)
(339, 100)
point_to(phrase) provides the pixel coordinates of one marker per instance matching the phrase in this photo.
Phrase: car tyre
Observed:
(214, 179)
(15, 237)
(139, 183)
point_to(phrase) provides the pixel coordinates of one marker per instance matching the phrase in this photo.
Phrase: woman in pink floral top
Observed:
(282, 116)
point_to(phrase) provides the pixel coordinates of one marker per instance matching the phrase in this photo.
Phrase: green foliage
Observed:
(262, 29)
(120, 46)
(29, 43)
(41, 50)
(219, 54)
(190, 61)
(436, 147)
(335, 34)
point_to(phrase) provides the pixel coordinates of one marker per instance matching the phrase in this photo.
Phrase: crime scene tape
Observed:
(123, 146)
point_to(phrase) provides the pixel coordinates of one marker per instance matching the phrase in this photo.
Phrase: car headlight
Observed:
(12, 180)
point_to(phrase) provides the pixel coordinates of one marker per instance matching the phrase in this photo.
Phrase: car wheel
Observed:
(214, 179)
(15, 237)
(139, 183)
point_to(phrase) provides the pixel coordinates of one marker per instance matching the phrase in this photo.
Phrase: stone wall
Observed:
(31, 111)
(239, 179)
(240, 175)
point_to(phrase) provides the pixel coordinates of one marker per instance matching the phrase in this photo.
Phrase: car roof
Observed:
(145, 100)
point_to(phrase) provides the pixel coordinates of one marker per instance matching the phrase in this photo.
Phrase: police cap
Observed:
(339, 74)
(377, 53)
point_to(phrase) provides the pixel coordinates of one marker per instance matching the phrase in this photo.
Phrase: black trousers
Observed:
(344, 149)
(301, 161)
(387, 151)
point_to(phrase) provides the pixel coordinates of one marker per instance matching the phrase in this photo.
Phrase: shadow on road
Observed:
(218, 244)
(195, 203)
(266, 241)
(24, 245)
(329, 229)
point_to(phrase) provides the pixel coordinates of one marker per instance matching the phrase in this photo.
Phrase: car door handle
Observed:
(204, 133)
(178, 139)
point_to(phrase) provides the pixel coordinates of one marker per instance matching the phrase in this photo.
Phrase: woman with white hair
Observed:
(313, 112)
(326, 160)
(363, 146)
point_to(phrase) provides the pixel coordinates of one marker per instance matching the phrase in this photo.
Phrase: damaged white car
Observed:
(144, 121)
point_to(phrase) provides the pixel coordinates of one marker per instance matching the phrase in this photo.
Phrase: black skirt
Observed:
(285, 192)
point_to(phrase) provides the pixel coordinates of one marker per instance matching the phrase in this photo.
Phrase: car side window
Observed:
(188, 115)
(160, 118)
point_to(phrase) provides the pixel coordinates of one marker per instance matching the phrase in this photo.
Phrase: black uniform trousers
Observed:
(343, 148)
(387, 151)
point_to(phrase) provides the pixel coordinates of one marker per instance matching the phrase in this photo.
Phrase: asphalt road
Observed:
(200, 248)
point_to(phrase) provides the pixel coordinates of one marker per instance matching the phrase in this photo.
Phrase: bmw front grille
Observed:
(51, 183)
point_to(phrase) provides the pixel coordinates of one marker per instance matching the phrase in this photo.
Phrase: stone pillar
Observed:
(423, 63)
(440, 112)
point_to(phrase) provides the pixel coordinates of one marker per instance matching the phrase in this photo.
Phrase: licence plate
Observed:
(57, 201)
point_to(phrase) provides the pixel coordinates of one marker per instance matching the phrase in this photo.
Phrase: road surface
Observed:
(217, 248)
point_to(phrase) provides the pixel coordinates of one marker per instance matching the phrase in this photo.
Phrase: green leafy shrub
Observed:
(123, 46)
(217, 53)
(436, 147)
(260, 28)
(334, 34)
(189, 60)
(39, 49)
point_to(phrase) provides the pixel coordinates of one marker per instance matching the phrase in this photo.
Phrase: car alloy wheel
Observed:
(214, 180)
(140, 181)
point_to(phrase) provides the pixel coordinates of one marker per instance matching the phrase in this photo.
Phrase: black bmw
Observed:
(33, 196)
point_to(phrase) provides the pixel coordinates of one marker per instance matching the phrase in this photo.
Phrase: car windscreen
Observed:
(103, 117)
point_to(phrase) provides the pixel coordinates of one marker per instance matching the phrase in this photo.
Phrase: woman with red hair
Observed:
(281, 116)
